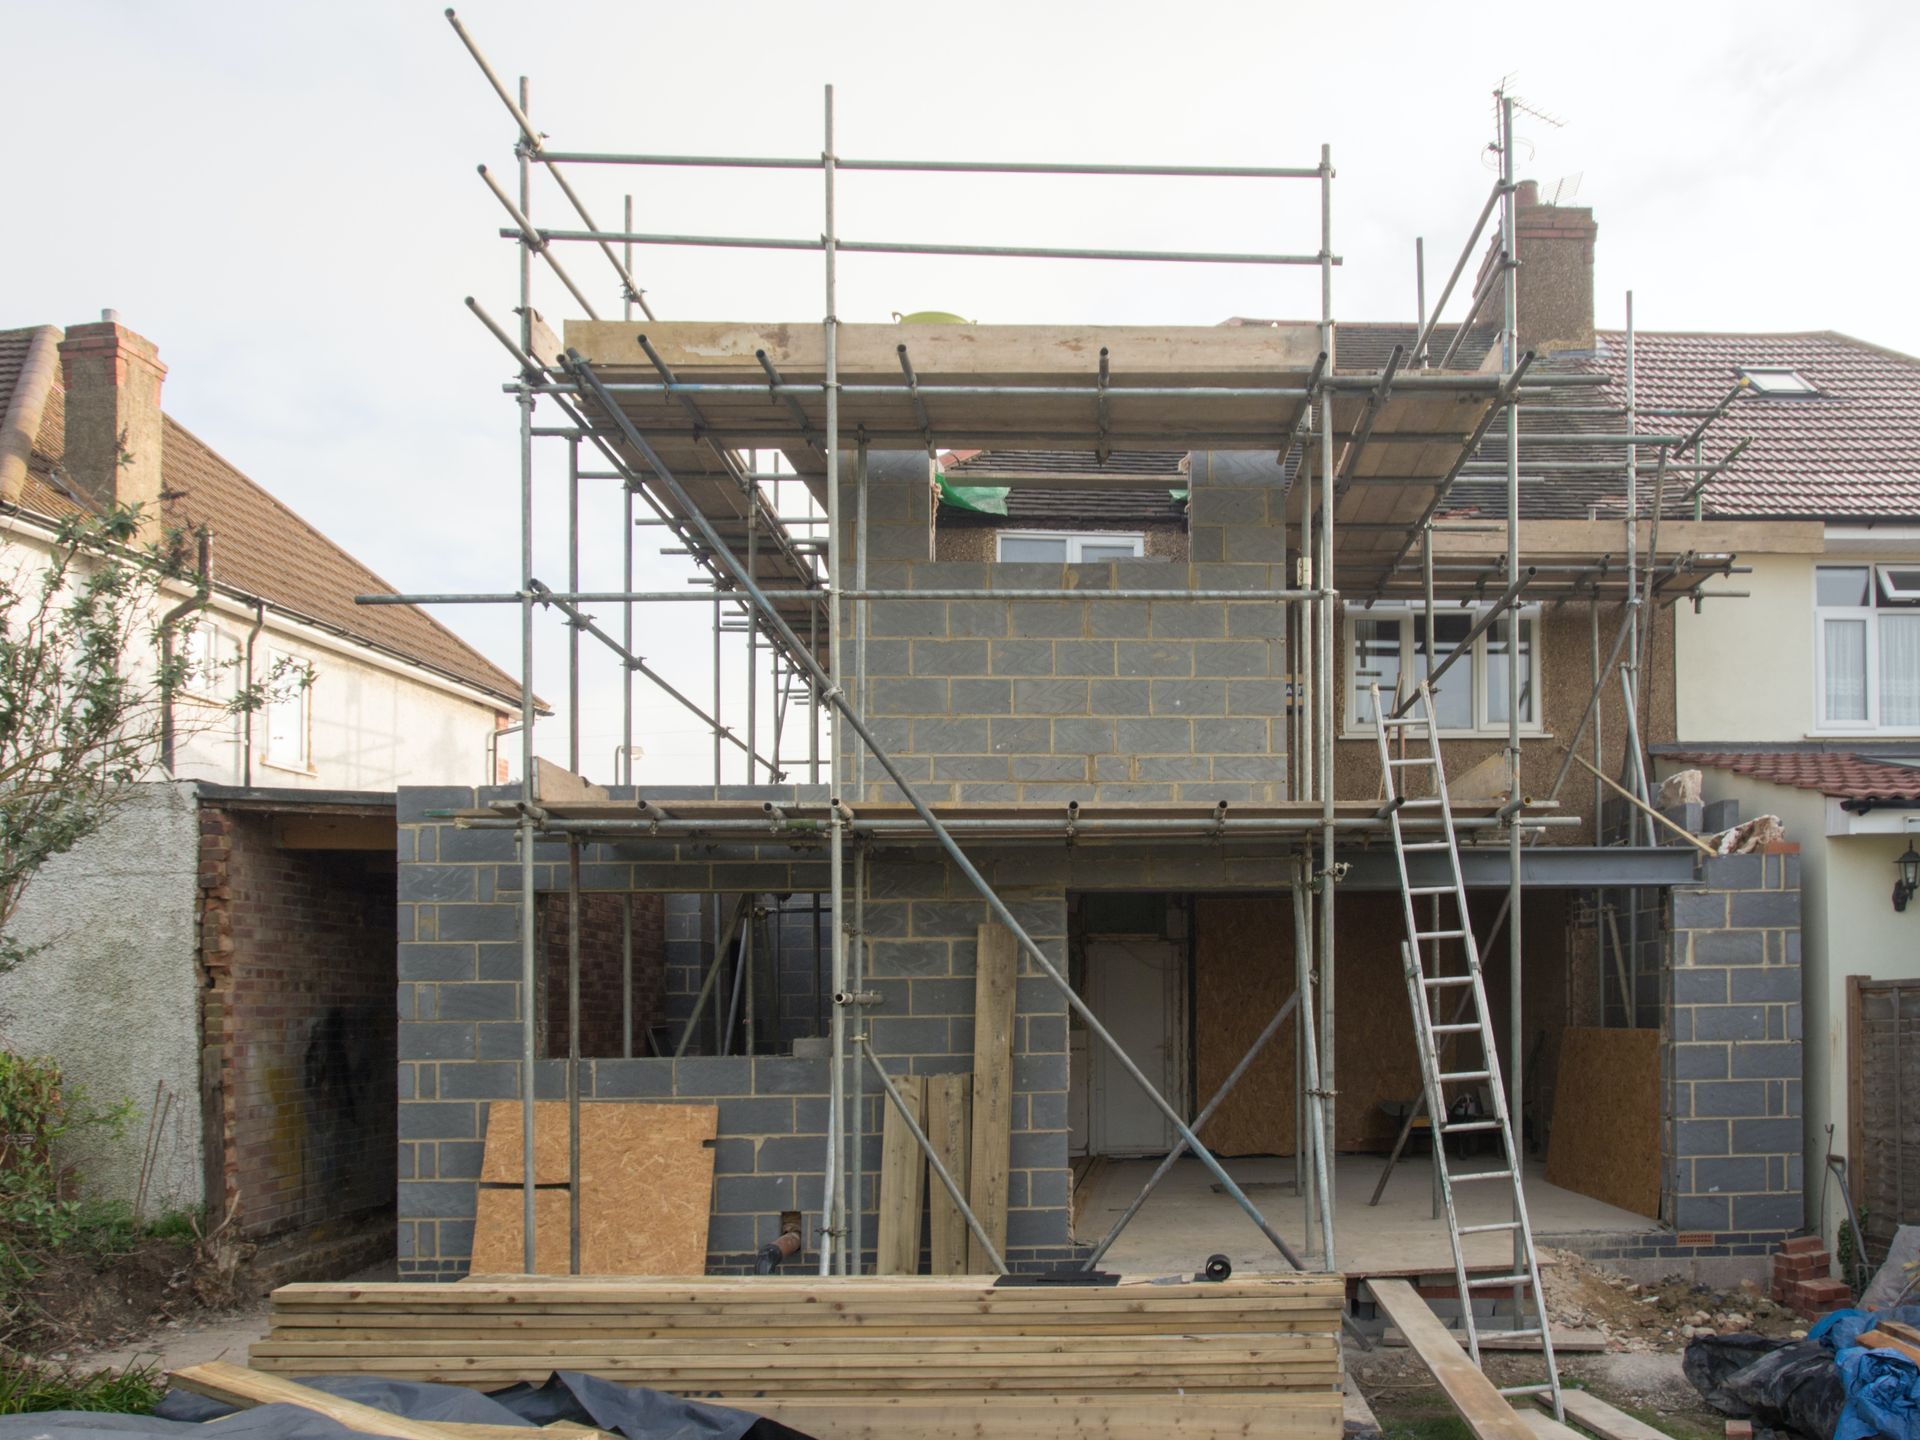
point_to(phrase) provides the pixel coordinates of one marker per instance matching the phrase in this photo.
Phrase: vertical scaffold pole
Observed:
(528, 969)
(1325, 686)
(573, 585)
(1509, 357)
(836, 1177)
(855, 1249)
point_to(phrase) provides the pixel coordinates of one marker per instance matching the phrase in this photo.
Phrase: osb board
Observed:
(1243, 972)
(1606, 1118)
(646, 1188)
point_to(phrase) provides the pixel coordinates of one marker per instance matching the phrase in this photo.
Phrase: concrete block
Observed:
(1081, 736)
(1701, 1137)
(438, 1120)
(1013, 737)
(1266, 619)
(1146, 657)
(650, 1078)
(1174, 767)
(907, 618)
(1083, 657)
(950, 657)
(1117, 619)
(479, 922)
(438, 883)
(1256, 545)
(1729, 947)
(1729, 1022)
(1051, 619)
(498, 1000)
(1701, 1212)
(982, 697)
(1233, 658)
(1777, 983)
(970, 767)
(1772, 908)
(950, 736)
(1189, 619)
(1700, 1062)
(1125, 792)
(1699, 910)
(1768, 1212)
(1265, 768)
(706, 1076)
(902, 959)
(1719, 815)
(942, 997)
(1730, 1175)
(427, 1200)
(914, 1036)
(1701, 985)
(1769, 1061)
(786, 1075)
(426, 961)
(436, 1041)
(1241, 736)
(1154, 737)
(760, 1115)
(895, 695)
(976, 618)
(1022, 657)
(751, 1195)
(1766, 1137)
(1217, 505)
(1732, 872)
(1050, 697)
(1189, 697)
(1060, 768)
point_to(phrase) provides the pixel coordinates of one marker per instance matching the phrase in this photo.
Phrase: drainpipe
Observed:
(202, 592)
(246, 726)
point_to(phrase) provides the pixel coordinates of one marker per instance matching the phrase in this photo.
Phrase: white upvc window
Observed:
(1867, 648)
(1385, 647)
(207, 656)
(1070, 547)
(289, 713)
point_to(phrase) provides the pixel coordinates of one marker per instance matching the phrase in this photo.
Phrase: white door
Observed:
(1136, 987)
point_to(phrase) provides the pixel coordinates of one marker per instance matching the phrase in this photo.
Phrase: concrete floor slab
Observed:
(1187, 1220)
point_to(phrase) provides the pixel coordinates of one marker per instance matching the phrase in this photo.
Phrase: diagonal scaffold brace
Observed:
(661, 475)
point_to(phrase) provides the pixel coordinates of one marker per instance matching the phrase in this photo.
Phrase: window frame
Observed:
(1758, 377)
(1075, 541)
(1879, 596)
(301, 694)
(1484, 725)
(194, 683)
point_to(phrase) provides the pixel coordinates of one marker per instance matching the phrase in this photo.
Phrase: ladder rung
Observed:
(1410, 760)
(1467, 1175)
(1402, 722)
(1522, 1389)
(1460, 1029)
(1439, 980)
(1469, 1125)
(1431, 890)
(1426, 845)
(1424, 803)
(1453, 1077)
(1438, 934)
(1507, 1280)
(1488, 1229)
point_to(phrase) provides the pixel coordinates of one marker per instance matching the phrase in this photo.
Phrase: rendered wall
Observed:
(115, 995)
(1716, 649)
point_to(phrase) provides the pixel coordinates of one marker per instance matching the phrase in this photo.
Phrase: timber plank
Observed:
(949, 1121)
(237, 1385)
(903, 1179)
(1485, 1410)
(1595, 1414)
(996, 969)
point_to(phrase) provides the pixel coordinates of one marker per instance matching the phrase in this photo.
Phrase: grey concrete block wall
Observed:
(457, 944)
(997, 699)
(1732, 1050)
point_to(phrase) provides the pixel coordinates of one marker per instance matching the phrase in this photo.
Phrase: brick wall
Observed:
(299, 1025)
(1731, 1062)
(604, 938)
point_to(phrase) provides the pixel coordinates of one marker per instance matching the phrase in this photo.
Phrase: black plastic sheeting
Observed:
(635, 1413)
(1825, 1387)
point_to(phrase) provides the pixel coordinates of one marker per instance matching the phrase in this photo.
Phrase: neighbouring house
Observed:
(221, 953)
(1803, 701)
(1010, 704)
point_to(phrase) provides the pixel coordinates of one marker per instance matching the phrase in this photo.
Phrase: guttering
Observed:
(202, 593)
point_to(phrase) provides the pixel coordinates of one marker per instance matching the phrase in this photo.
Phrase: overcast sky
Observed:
(283, 198)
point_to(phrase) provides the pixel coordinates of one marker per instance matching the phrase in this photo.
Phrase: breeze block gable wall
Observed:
(997, 698)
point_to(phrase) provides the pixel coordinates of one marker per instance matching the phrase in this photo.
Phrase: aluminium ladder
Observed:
(1420, 751)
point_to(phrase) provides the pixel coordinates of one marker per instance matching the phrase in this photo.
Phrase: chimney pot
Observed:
(111, 317)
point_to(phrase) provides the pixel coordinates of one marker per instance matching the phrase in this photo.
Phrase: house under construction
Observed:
(1160, 850)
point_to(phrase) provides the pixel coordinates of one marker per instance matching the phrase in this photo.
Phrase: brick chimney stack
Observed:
(1555, 281)
(113, 426)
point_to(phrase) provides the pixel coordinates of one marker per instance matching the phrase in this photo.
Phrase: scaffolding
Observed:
(742, 477)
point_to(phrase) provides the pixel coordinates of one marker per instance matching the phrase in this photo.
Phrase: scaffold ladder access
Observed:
(1409, 747)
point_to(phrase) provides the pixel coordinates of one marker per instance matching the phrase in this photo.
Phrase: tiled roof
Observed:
(1839, 773)
(1850, 451)
(261, 548)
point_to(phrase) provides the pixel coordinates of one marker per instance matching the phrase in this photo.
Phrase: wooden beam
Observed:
(237, 1385)
(1483, 1407)
(903, 1182)
(336, 832)
(996, 968)
(949, 1116)
(1593, 1413)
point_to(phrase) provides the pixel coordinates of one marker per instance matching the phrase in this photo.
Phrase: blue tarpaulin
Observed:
(1883, 1386)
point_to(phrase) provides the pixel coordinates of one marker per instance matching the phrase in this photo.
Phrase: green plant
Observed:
(39, 1205)
(1847, 1247)
(27, 1387)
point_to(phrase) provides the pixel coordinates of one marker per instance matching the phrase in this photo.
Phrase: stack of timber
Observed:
(853, 1357)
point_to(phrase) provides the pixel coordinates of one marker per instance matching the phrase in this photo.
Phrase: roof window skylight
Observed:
(1776, 380)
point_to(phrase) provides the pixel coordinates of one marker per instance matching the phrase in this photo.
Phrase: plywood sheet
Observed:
(646, 1188)
(1606, 1118)
(1244, 971)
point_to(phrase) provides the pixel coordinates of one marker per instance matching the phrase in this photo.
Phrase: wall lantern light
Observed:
(1909, 881)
